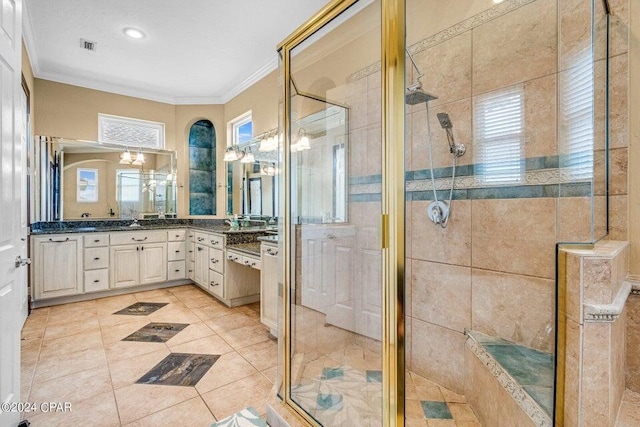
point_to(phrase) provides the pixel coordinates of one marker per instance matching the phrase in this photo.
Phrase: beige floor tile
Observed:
(73, 388)
(231, 321)
(71, 344)
(262, 356)
(156, 293)
(251, 391)
(191, 333)
(413, 409)
(63, 365)
(117, 332)
(110, 305)
(271, 374)
(71, 316)
(192, 413)
(243, 337)
(431, 422)
(128, 371)
(630, 410)
(97, 411)
(68, 329)
(123, 350)
(209, 345)
(429, 393)
(174, 314)
(462, 412)
(195, 300)
(450, 396)
(468, 424)
(140, 400)
(415, 422)
(228, 368)
(212, 311)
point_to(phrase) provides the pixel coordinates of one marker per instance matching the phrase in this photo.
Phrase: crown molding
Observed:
(29, 39)
(106, 87)
(262, 72)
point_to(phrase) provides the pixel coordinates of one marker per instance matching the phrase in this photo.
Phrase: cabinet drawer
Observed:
(251, 262)
(211, 240)
(129, 238)
(96, 280)
(232, 256)
(176, 270)
(215, 260)
(95, 258)
(191, 270)
(216, 283)
(176, 235)
(96, 240)
(191, 236)
(176, 251)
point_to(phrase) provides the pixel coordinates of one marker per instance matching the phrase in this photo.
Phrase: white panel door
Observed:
(125, 267)
(12, 223)
(153, 263)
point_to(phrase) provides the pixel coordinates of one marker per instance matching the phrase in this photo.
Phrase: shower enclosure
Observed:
(434, 155)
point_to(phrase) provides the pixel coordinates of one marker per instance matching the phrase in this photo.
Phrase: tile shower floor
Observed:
(186, 359)
(344, 389)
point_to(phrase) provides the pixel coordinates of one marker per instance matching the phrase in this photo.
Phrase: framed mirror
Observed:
(88, 180)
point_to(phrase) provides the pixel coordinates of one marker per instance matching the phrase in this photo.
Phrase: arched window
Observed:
(202, 168)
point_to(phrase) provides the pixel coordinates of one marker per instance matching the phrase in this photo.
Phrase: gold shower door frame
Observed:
(392, 220)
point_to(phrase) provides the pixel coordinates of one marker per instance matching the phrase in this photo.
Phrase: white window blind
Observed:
(499, 136)
(129, 185)
(577, 115)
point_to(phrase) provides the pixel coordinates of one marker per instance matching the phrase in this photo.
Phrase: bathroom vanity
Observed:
(74, 264)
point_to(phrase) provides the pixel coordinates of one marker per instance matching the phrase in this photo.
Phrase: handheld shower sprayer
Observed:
(457, 150)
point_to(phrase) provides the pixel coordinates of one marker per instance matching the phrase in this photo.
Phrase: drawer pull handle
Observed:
(177, 270)
(59, 241)
(253, 264)
(214, 261)
(96, 241)
(96, 281)
(177, 235)
(199, 248)
(190, 252)
(272, 252)
(96, 259)
(215, 242)
(200, 239)
(177, 252)
(190, 271)
(138, 240)
(246, 263)
(215, 284)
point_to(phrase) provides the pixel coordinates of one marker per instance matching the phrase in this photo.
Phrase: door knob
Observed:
(22, 261)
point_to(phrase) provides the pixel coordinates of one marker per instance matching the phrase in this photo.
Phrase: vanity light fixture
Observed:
(125, 157)
(134, 33)
(248, 157)
(269, 141)
(232, 154)
(269, 169)
(139, 158)
(303, 142)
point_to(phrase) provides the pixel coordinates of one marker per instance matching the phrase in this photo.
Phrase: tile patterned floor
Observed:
(76, 353)
(629, 415)
(340, 395)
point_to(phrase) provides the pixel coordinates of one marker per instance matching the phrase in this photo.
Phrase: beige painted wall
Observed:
(72, 112)
(634, 139)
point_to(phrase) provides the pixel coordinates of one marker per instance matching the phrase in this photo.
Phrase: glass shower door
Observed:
(335, 359)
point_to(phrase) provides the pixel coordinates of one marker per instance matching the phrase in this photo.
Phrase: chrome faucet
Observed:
(134, 223)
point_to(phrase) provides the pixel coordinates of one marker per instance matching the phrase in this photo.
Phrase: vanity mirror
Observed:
(89, 180)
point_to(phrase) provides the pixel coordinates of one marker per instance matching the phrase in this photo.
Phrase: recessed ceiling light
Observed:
(498, 1)
(134, 33)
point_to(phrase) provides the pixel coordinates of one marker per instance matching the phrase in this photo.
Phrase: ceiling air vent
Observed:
(88, 45)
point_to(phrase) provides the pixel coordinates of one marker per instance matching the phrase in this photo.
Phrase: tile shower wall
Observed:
(493, 268)
(202, 168)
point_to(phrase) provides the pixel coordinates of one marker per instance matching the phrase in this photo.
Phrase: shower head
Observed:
(445, 121)
(415, 95)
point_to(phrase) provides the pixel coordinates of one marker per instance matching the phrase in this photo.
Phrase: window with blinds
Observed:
(577, 117)
(499, 136)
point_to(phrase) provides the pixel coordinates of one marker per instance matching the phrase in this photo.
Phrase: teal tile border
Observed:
(436, 410)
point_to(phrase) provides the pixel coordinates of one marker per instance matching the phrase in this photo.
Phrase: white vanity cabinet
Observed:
(57, 266)
(269, 286)
(208, 263)
(138, 258)
(96, 262)
(176, 254)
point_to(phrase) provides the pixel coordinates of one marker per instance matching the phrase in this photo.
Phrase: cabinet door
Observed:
(58, 267)
(125, 267)
(153, 263)
(201, 273)
(269, 287)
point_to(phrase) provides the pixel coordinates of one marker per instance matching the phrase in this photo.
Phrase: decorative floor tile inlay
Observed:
(179, 369)
(245, 418)
(437, 410)
(330, 401)
(374, 376)
(156, 332)
(142, 308)
(332, 373)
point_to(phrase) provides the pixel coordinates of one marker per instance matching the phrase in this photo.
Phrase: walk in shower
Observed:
(434, 154)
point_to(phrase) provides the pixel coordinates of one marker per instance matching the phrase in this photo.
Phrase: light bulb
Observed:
(139, 158)
(248, 158)
(230, 155)
(125, 158)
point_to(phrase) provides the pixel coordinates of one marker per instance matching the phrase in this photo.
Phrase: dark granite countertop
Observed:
(273, 239)
(251, 248)
(211, 226)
